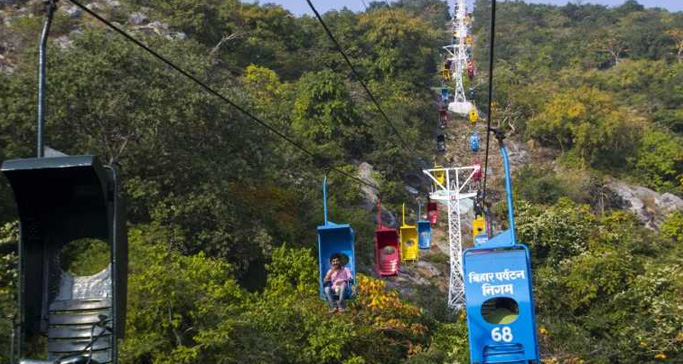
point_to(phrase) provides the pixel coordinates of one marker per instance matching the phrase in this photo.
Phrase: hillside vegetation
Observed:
(222, 213)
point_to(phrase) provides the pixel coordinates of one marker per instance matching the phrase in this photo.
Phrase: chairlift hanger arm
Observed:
(50, 7)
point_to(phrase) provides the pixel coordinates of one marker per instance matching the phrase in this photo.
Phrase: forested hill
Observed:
(222, 213)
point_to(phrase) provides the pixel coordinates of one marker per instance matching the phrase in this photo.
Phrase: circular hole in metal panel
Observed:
(84, 257)
(500, 310)
(388, 250)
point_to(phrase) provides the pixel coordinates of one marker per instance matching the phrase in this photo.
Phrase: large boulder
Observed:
(138, 18)
(427, 269)
(649, 206)
(72, 12)
(365, 171)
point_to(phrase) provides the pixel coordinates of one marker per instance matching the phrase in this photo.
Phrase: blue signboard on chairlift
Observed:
(500, 306)
(501, 318)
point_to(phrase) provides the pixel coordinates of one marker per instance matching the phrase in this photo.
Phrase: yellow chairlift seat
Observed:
(478, 226)
(446, 74)
(474, 115)
(408, 237)
(440, 177)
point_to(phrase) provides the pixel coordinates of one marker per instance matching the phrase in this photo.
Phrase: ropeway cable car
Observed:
(408, 237)
(335, 239)
(446, 74)
(445, 95)
(432, 212)
(501, 319)
(441, 143)
(474, 115)
(387, 248)
(443, 118)
(424, 231)
(63, 202)
(440, 177)
(478, 226)
(471, 93)
(474, 142)
(476, 177)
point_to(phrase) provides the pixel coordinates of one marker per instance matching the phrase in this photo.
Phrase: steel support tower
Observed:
(458, 185)
(458, 56)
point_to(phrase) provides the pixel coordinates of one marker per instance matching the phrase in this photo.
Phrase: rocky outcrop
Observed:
(365, 171)
(137, 18)
(72, 12)
(649, 206)
(370, 195)
(427, 269)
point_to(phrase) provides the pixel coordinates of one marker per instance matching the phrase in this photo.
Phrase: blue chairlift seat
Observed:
(474, 142)
(424, 234)
(424, 231)
(332, 239)
(501, 319)
(494, 275)
(445, 96)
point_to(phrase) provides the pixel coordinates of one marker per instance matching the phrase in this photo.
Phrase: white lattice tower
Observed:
(457, 186)
(460, 28)
(457, 51)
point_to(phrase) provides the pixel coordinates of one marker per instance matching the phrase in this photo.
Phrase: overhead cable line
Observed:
(420, 162)
(490, 92)
(212, 91)
(358, 76)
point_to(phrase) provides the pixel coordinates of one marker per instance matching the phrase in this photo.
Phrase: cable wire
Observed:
(212, 91)
(490, 92)
(358, 76)
(421, 164)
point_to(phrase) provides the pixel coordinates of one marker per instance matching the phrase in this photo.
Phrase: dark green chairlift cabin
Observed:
(60, 200)
(63, 199)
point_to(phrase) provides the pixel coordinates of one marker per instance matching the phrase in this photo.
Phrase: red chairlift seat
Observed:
(476, 177)
(443, 119)
(387, 248)
(432, 212)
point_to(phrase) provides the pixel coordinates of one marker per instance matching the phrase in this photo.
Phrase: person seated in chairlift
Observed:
(335, 282)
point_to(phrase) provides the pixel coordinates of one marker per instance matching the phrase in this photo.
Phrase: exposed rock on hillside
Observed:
(138, 18)
(649, 206)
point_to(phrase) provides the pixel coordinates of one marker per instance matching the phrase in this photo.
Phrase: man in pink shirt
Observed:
(335, 282)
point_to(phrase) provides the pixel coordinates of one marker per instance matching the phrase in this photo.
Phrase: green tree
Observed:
(659, 161)
(178, 306)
